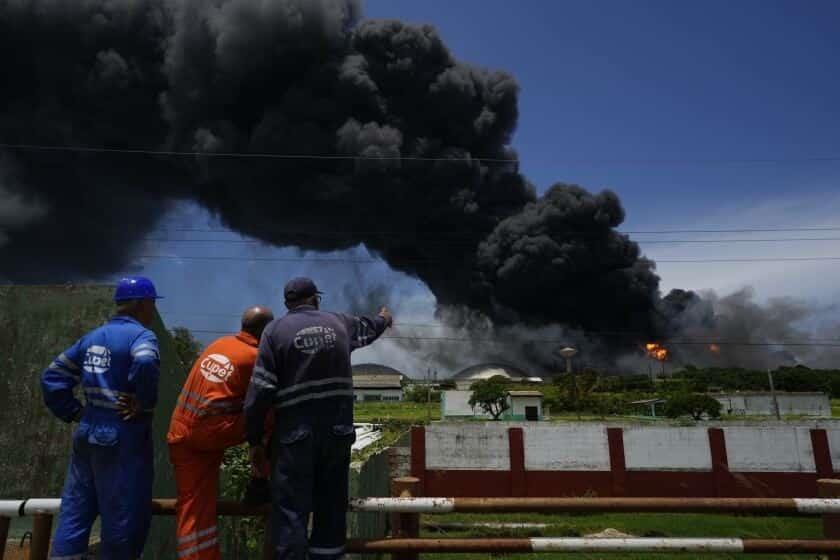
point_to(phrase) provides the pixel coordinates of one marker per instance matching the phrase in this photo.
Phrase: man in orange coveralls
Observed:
(207, 420)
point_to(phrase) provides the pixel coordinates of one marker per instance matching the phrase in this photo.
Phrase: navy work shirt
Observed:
(303, 369)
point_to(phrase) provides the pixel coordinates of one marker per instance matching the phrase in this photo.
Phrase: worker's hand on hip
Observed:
(259, 462)
(128, 407)
(386, 314)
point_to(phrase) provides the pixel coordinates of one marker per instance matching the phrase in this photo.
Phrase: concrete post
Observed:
(830, 488)
(405, 525)
(41, 533)
(4, 535)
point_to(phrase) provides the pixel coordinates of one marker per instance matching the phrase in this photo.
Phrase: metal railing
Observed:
(405, 510)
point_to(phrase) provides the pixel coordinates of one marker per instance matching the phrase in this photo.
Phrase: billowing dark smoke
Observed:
(737, 330)
(298, 77)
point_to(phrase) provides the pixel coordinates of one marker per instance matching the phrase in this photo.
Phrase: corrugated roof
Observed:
(376, 382)
(375, 369)
(525, 393)
(484, 371)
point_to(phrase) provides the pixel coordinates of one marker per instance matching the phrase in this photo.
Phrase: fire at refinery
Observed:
(656, 351)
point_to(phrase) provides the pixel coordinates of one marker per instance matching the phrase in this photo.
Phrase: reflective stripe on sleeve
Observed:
(107, 392)
(334, 551)
(265, 374)
(67, 362)
(315, 396)
(315, 383)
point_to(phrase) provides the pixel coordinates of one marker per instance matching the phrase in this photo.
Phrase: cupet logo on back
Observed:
(97, 360)
(216, 368)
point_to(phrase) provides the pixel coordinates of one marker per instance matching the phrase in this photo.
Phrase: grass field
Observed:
(396, 412)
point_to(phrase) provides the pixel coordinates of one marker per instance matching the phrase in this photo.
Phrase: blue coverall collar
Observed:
(302, 308)
(125, 319)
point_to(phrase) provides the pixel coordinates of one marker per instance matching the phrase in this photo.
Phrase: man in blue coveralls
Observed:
(111, 468)
(303, 372)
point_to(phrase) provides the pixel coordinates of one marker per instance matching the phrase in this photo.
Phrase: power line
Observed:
(271, 155)
(601, 333)
(344, 233)
(365, 260)
(450, 242)
(265, 155)
(832, 344)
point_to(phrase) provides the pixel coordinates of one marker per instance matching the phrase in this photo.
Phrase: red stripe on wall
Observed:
(618, 468)
(822, 453)
(418, 456)
(675, 484)
(721, 478)
(516, 441)
(467, 484)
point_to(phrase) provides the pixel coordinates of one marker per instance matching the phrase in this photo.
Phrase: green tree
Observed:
(691, 404)
(490, 395)
(187, 348)
(420, 394)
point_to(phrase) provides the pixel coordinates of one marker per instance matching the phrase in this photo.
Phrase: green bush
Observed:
(691, 404)
(420, 394)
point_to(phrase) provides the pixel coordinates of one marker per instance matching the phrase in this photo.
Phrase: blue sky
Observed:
(611, 91)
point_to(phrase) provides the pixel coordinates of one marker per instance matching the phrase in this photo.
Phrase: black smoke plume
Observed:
(294, 77)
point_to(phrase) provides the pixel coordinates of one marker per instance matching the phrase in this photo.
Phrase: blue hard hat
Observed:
(135, 287)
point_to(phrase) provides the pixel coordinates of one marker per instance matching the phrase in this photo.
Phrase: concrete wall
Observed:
(540, 459)
(456, 404)
(667, 449)
(761, 404)
(566, 447)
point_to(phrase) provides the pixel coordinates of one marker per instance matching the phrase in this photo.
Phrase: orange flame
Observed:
(656, 351)
(714, 348)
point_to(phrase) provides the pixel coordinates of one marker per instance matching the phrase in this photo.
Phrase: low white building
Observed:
(749, 403)
(375, 382)
(523, 405)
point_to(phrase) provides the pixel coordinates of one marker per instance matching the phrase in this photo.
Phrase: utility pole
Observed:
(428, 395)
(567, 354)
(773, 395)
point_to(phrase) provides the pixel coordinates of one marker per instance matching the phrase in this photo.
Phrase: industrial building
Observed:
(748, 403)
(466, 377)
(375, 382)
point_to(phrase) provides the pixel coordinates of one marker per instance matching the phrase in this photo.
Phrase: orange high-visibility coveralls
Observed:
(207, 420)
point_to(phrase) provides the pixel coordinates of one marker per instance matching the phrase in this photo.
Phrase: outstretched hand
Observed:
(386, 314)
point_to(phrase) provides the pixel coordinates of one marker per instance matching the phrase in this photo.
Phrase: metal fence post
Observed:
(268, 542)
(4, 535)
(41, 532)
(830, 488)
(405, 525)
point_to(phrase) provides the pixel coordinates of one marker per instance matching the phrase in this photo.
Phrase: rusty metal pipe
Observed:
(791, 506)
(536, 545)
(787, 506)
